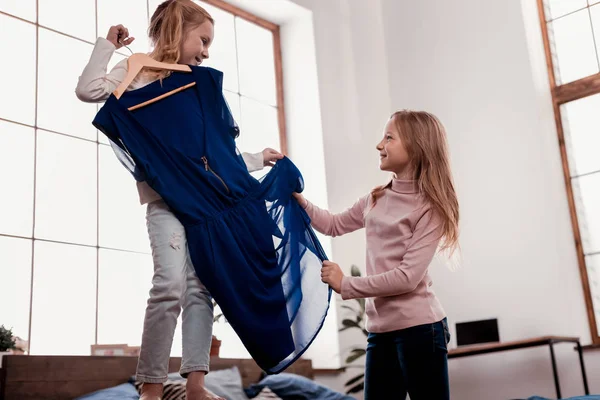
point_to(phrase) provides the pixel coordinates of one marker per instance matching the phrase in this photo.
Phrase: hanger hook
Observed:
(120, 41)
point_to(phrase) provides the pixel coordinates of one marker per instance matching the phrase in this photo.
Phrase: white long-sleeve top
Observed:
(96, 84)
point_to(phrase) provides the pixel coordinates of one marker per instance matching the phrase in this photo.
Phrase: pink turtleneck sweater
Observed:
(402, 236)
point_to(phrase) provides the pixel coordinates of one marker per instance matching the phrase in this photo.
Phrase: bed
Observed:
(69, 377)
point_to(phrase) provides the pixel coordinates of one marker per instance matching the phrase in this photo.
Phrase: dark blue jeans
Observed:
(412, 360)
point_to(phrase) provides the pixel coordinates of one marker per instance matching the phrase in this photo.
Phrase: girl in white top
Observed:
(182, 32)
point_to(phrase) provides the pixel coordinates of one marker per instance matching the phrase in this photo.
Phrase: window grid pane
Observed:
(16, 172)
(259, 127)
(59, 109)
(256, 62)
(595, 17)
(124, 281)
(581, 124)
(558, 8)
(573, 48)
(122, 223)
(54, 329)
(17, 97)
(20, 8)
(586, 190)
(593, 270)
(15, 270)
(223, 52)
(59, 15)
(66, 189)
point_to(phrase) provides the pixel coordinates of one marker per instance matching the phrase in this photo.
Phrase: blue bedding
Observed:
(125, 391)
(291, 386)
(227, 383)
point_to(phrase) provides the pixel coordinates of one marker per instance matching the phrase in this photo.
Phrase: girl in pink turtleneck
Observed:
(406, 221)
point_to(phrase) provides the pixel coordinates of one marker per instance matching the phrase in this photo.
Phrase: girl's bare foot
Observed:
(152, 391)
(195, 390)
(200, 393)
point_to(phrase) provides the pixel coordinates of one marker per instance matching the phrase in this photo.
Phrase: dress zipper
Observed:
(208, 168)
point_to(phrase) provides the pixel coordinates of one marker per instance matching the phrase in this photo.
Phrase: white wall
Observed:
(479, 66)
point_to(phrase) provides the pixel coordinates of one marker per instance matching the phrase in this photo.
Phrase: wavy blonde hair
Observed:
(424, 138)
(168, 26)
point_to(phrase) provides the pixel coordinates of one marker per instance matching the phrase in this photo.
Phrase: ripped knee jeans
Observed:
(175, 286)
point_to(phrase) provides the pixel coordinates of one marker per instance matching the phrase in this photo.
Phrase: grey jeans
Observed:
(174, 286)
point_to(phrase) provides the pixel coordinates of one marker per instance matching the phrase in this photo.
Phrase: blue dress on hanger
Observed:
(250, 242)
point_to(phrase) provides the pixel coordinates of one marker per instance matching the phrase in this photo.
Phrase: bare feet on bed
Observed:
(152, 391)
(200, 393)
(195, 390)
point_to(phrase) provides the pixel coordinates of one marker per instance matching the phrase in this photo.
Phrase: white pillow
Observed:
(226, 383)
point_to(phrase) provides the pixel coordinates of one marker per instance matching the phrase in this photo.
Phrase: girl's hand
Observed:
(332, 274)
(300, 199)
(119, 33)
(271, 156)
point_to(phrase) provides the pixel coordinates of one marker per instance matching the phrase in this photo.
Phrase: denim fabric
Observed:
(412, 360)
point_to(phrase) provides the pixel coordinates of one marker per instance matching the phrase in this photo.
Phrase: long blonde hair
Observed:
(424, 138)
(168, 26)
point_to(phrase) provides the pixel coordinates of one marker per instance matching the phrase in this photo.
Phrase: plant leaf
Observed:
(355, 379)
(6, 339)
(356, 389)
(350, 324)
(355, 354)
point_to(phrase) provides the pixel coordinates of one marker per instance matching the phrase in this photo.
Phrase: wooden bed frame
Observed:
(67, 377)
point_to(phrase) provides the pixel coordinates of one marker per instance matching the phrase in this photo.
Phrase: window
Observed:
(246, 49)
(571, 32)
(73, 243)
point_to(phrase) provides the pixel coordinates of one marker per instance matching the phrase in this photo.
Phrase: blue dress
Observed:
(250, 242)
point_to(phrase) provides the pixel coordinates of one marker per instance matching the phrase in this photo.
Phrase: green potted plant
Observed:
(7, 342)
(356, 320)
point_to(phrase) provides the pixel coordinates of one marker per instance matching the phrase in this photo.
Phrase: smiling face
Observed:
(181, 32)
(197, 41)
(393, 155)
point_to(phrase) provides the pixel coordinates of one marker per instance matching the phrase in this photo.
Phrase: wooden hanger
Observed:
(136, 63)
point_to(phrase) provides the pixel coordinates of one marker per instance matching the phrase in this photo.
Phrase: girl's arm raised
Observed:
(405, 277)
(335, 224)
(95, 84)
